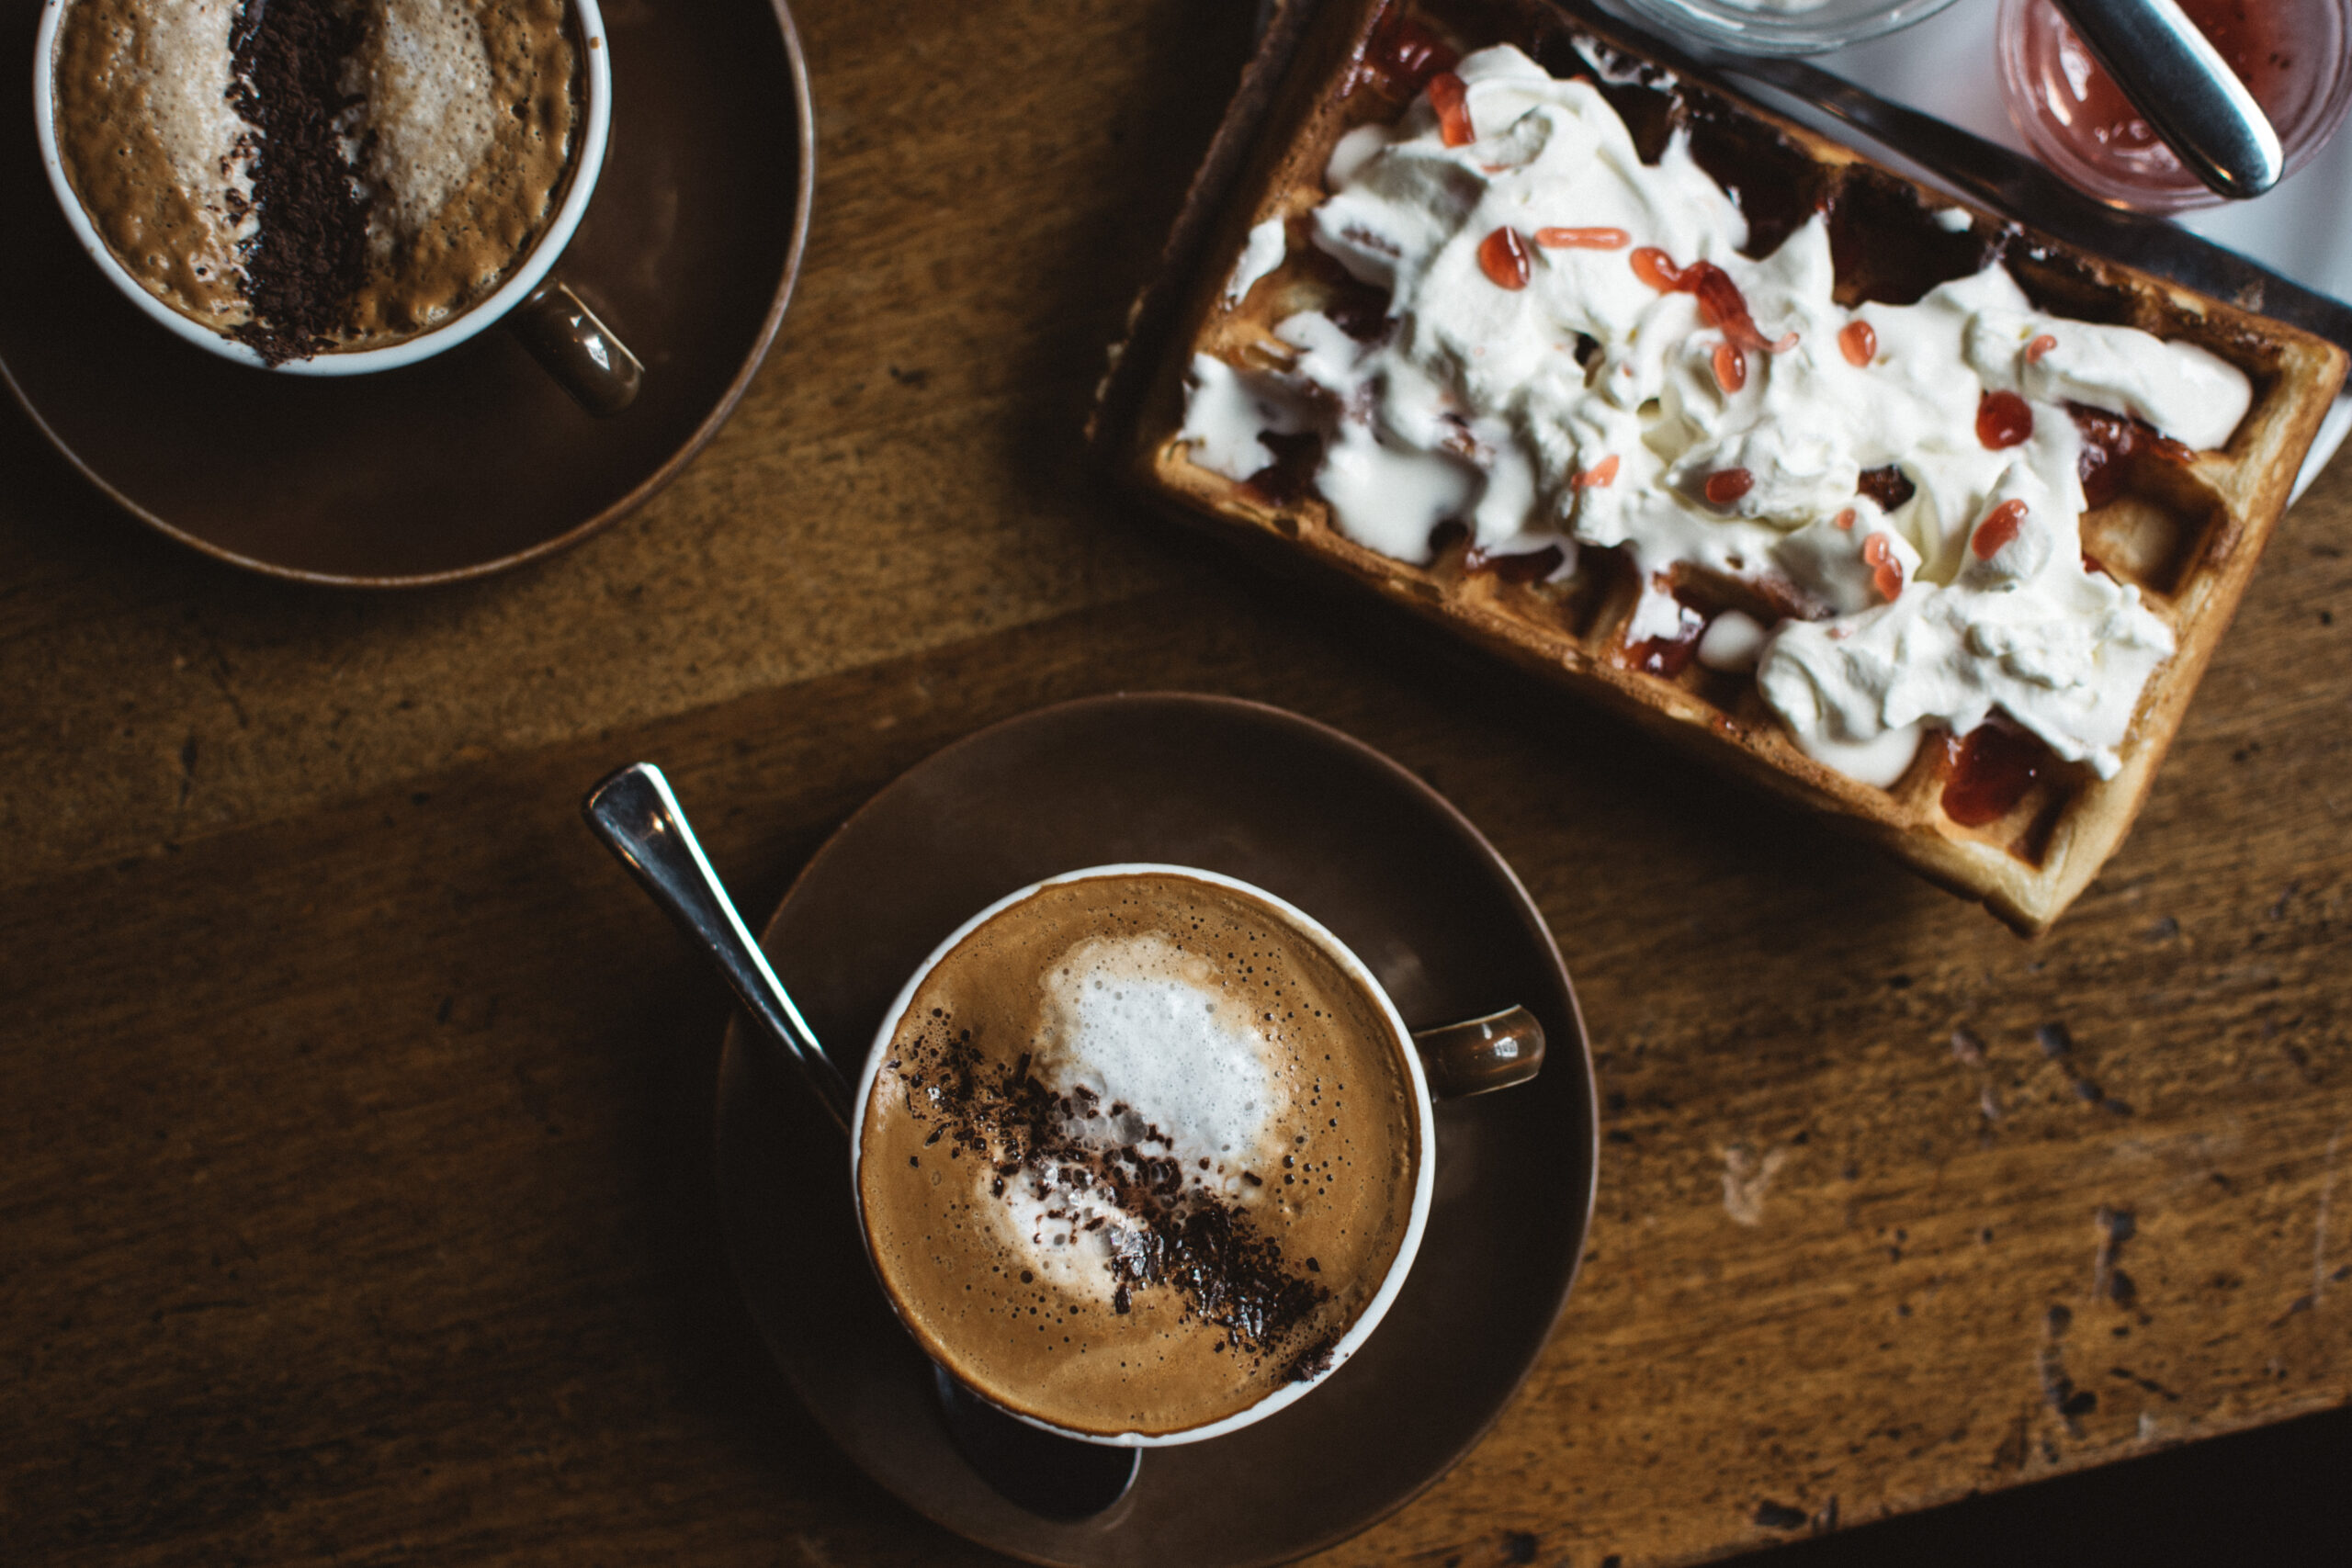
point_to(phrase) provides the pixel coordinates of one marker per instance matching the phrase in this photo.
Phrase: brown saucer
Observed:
(1356, 842)
(472, 461)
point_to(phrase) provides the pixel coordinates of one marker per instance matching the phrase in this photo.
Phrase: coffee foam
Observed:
(465, 118)
(472, 114)
(184, 67)
(160, 159)
(1141, 1152)
(425, 75)
(1141, 1022)
(1129, 1022)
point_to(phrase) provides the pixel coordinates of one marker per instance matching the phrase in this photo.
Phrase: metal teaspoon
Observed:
(638, 818)
(2184, 88)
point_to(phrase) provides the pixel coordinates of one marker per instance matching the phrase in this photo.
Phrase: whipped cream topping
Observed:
(1559, 367)
(1261, 254)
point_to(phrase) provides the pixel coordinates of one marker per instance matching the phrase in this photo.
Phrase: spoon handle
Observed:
(638, 818)
(2184, 88)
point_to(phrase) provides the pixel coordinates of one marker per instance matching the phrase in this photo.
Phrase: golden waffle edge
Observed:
(2188, 534)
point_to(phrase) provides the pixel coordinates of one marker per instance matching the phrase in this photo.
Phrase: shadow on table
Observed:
(2276, 1495)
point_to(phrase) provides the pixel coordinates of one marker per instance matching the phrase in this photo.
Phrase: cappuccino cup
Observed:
(336, 188)
(1143, 1154)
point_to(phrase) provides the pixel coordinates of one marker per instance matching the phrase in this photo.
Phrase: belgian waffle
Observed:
(2185, 529)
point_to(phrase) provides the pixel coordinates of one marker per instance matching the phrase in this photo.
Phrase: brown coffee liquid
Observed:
(316, 176)
(1140, 1154)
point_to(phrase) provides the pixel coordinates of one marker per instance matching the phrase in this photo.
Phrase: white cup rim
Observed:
(1424, 1177)
(596, 91)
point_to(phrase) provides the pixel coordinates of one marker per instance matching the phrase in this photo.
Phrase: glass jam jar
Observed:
(2291, 55)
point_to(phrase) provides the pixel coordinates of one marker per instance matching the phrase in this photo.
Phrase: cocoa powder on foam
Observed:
(1225, 1284)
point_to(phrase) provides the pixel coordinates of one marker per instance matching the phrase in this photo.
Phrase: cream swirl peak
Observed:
(1576, 351)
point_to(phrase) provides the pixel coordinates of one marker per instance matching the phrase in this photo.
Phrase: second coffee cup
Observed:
(1143, 1154)
(322, 188)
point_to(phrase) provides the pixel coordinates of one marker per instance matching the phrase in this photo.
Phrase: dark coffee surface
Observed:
(1140, 1155)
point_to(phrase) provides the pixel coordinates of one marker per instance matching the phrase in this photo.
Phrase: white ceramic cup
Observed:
(1504, 1053)
(522, 285)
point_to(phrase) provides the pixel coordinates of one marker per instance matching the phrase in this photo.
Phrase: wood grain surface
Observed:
(354, 1180)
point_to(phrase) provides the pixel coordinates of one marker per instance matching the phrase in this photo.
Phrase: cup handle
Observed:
(571, 345)
(1481, 1055)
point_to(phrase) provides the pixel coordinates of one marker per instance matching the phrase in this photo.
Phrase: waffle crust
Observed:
(2188, 533)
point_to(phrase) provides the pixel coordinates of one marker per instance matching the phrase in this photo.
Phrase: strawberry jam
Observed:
(1989, 769)
(1656, 268)
(2108, 440)
(1725, 486)
(1503, 257)
(1669, 656)
(1720, 301)
(1724, 305)
(1452, 101)
(1404, 55)
(2002, 419)
(1886, 568)
(2040, 346)
(2000, 525)
(1731, 367)
(1602, 473)
(1857, 341)
(1583, 239)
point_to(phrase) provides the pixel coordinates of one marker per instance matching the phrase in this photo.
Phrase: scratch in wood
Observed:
(1747, 1176)
(2011, 1454)
(2109, 1283)
(2146, 1384)
(2058, 1390)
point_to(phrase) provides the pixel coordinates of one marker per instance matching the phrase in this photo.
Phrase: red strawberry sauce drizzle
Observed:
(1503, 257)
(2108, 438)
(1404, 55)
(1583, 239)
(1886, 571)
(2000, 525)
(1451, 98)
(2002, 419)
(1989, 770)
(1731, 367)
(1720, 300)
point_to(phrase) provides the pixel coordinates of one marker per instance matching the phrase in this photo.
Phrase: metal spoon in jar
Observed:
(2185, 90)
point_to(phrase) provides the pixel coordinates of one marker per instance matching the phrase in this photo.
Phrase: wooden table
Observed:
(358, 1191)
